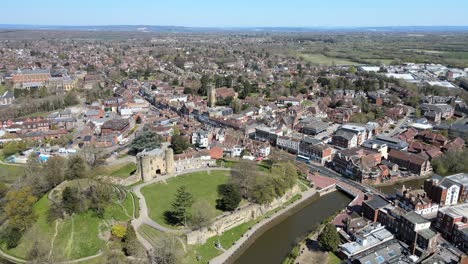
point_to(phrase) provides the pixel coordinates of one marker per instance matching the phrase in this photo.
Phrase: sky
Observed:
(237, 13)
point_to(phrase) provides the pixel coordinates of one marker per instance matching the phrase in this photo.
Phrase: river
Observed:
(275, 244)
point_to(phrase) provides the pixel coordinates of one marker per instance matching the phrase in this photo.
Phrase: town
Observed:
(102, 133)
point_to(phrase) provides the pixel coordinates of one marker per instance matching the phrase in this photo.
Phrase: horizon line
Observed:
(160, 25)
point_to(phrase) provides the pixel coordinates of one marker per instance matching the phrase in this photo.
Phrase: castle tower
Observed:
(169, 160)
(211, 96)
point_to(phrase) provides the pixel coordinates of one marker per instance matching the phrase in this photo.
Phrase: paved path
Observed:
(239, 243)
(12, 164)
(144, 215)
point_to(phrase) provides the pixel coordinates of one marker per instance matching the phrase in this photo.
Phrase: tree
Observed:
(230, 197)
(451, 162)
(54, 170)
(187, 90)
(131, 246)
(138, 120)
(167, 250)
(11, 235)
(3, 190)
(71, 99)
(19, 208)
(76, 168)
(118, 230)
(243, 175)
(146, 140)
(236, 105)
(71, 200)
(179, 144)
(263, 190)
(179, 61)
(201, 214)
(93, 156)
(205, 82)
(183, 200)
(329, 238)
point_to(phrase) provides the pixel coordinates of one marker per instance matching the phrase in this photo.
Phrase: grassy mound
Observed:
(202, 185)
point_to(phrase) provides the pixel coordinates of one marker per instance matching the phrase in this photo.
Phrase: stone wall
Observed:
(230, 220)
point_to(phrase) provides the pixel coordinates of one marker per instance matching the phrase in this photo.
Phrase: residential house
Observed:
(413, 163)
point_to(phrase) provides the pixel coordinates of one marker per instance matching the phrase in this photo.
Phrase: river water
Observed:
(275, 244)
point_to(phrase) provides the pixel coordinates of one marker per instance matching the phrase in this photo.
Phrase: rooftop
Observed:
(415, 218)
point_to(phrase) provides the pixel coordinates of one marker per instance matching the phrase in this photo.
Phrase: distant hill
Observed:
(175, 29)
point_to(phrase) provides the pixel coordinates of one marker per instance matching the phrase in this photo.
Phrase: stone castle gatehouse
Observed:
(161, 161)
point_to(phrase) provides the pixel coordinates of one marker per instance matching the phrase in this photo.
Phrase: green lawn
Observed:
(333, 259)
(124, 171)
(201, 185)
(77, 236)
(119, 170)
(9, 173)
(137, 205)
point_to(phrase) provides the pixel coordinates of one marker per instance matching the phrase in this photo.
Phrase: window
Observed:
(380, 259)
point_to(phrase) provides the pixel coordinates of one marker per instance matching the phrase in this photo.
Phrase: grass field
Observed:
(319, 59)
(333, 259)
(10, 173)
(201, 185)
(76, 237)
(124, 171)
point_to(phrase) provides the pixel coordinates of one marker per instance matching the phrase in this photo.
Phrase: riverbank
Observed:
(231, 254)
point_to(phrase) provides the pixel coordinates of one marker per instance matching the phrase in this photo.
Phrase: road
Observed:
(402, 121)
(322, 170)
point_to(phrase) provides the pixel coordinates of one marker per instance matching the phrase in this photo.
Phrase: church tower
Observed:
(211, 96)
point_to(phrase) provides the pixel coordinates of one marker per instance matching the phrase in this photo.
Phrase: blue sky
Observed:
(238, 13)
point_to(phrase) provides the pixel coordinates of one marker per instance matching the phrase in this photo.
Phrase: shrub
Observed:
(118, 230)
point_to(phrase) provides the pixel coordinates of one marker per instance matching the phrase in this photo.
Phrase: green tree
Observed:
(230, 197)
(187, 90)
(71, 200)
(138, 120)
(11, 148)
(76, 168)
(54, 170)
(201, 214)
(236, 105)
(11, 235)
(263, 190)
(146, 140)
(182, 202)
(179, 144)
(19, 208)
(329, 238)
(131, 246)
(3, 190)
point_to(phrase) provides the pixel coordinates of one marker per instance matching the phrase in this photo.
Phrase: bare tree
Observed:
(167, 251)
(243, 175)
